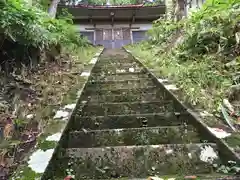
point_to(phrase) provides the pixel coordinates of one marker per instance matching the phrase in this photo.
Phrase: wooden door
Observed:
(122, 36)
(104, 37)
(118, 38)
(118, 34)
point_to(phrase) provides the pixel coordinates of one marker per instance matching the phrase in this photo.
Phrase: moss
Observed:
(45, 145)
(25, 173)
(233, 140)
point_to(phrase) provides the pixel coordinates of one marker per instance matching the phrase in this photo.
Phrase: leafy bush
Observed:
(195, 51)
(28, 33)
(29, 25)
(213, 29)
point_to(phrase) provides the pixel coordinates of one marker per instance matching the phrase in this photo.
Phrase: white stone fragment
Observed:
(118, 131)
(93, 61)
(154, 146)
(131, 69)
(169, 151)
(219, 133)
(162, 80)
(208, 154)
(70, 106)
(79, 93)
(85, 74)
(171, 87)
(190, 155)
(61, 114)
(39, 160)
(120, 70)
(205, 113)
(155, 178)
(54, 137)
(30, 116)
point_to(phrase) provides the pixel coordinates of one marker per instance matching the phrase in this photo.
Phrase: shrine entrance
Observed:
(113, 38)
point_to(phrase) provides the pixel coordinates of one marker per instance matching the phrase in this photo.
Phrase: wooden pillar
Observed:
(94, 34)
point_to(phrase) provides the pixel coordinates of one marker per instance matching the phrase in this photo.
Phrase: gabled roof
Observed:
(127, 12)
(110, 6)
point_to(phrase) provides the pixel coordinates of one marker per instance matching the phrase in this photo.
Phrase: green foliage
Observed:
(28, 25)
(194, 51)
(121, 2)
(213, 29)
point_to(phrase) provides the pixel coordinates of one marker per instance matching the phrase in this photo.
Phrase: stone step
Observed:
(111, 70)
(129, 121)
(122, 60)
(133, 136)
(116, 64)
(124, 97)
(139, 161)
(118, 108)
(120, 91)
(130, 80)
(119, 76)
(131, 83)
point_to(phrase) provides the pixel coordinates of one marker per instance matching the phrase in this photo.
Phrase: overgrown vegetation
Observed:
(201, 53)
(40, 61)
(26, 32)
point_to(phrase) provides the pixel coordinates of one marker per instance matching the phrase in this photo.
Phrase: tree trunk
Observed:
(53, 8)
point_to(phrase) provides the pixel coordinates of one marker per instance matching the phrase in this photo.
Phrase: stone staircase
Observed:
(126, 127)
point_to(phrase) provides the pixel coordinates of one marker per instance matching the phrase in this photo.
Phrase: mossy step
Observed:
(120, 61)
(117, 64)
(140, 83)
(118, 76)
(118, 108)
(116, 60)
(111, 70)
(124, 97)
(120, 91)
(133, 136)
(130, 80)
(129, 121)
(123, 75)
(138, 161)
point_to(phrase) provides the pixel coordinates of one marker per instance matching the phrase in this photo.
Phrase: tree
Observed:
(52, 10)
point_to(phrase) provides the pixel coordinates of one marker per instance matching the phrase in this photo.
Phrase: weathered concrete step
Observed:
(133, 136)
(129, 83)
(130, 80)
(118, 108)
(139, 161)
(113, 69)
(212, 176)
(119, 76)
(124, 97)
(118, 60)
(116, 64)
(120, 91)
(129, 121)
(142, 72)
